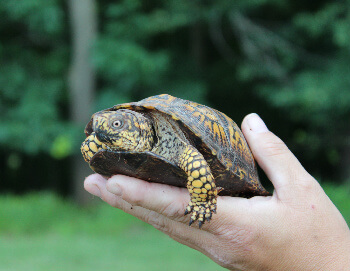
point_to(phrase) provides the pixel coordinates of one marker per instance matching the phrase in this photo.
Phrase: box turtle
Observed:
(168, 140)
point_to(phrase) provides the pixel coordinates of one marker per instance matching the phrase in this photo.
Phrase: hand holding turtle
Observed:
(298, 228)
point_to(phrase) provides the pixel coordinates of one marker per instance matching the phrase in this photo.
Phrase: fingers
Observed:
(95, 184)
(274, 157)
(132, 195)
(139, 197)
(164, 199)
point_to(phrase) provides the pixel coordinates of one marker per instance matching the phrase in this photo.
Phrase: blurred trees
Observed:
(286, 60)
(83, 17)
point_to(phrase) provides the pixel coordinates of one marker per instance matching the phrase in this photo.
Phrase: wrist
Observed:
(334, 256)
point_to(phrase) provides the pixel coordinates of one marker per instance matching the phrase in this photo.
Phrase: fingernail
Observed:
(256, 124)
(114, 187)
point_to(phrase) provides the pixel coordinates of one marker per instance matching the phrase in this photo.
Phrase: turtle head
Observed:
(123, 130)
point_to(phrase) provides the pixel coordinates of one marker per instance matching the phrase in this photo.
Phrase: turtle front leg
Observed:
(200, 184)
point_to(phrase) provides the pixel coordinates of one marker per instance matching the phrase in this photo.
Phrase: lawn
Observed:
(44, 232)
(134, 250)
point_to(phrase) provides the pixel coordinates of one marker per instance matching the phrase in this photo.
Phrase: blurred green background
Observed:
(60, 61)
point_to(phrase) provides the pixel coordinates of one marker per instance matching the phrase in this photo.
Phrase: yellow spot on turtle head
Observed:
(93, 146)
(86, 147)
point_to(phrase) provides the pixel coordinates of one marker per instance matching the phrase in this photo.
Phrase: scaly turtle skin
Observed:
(177, 142)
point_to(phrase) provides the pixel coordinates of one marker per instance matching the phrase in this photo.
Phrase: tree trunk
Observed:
(81, 81)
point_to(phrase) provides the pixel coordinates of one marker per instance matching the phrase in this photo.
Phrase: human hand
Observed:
(298, 228)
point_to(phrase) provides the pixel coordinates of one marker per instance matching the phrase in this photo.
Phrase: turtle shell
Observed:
(213, 133)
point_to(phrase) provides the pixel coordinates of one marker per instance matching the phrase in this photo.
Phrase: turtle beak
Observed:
(100, 127)
(88, 128)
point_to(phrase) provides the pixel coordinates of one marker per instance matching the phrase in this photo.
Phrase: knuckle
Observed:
(159, 222)
(274, 146)
(137, 196)
(172, 211)
(307, 185)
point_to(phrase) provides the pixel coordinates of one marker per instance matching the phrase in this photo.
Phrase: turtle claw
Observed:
(200, 223)
(201, 212)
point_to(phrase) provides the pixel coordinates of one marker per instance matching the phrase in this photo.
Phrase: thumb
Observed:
(277, 161)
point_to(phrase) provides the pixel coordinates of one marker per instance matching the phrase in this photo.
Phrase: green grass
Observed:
(44, 232)
(340, 195)
(134, 250)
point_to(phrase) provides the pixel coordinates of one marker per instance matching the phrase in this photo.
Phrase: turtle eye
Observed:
(117, 123)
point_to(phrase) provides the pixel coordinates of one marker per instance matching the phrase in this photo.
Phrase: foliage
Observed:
(286, 60)
(301, 68)
(136, 56)
(33, 61)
